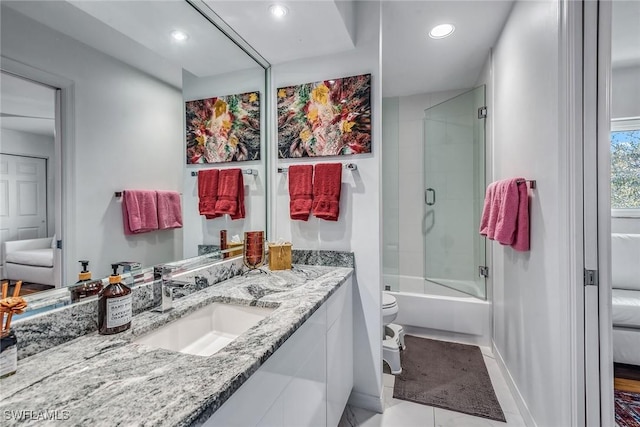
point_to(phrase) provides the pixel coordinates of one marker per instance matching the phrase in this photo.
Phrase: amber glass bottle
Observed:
(114, 306)
(84, 287)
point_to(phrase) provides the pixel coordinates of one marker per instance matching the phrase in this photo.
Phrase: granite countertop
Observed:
(108, 379)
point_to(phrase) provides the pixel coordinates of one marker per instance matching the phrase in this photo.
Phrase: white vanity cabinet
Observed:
(307, 381)
(339, 352)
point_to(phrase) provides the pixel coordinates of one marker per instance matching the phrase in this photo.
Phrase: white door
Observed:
(23, 198)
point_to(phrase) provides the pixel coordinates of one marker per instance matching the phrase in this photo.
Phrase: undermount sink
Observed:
(207, 330)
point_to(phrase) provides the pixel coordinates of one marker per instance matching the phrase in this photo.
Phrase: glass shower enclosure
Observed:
(454, 187)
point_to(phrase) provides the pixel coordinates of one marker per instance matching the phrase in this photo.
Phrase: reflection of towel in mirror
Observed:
(505, 215)
(327, 181)
(231, 193)
(169, 210)
(208, 192)
(139, 211)
(300, 191)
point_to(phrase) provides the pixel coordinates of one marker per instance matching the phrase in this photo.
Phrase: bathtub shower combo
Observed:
(439, 231)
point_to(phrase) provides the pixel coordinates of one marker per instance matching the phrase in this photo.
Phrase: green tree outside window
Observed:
(625, 169)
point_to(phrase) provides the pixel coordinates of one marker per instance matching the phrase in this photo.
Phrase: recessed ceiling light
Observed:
(441, 31)
(179, 35)
(278, 10)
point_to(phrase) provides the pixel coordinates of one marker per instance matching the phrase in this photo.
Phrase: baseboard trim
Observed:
(522, 405)
(367, 401)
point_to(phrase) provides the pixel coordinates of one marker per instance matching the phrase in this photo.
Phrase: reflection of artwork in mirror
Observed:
(327, 118)
(223, 129)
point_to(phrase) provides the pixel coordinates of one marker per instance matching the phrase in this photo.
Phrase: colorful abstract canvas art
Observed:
(327, 118)
(223, 129)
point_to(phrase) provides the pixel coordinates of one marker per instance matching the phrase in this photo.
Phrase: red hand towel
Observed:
(231, 193)
(326, 190)
(300, 191)
(208, 192)
(139, 211)
(169, 210)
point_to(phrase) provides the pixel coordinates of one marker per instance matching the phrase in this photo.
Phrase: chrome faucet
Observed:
(168, 285)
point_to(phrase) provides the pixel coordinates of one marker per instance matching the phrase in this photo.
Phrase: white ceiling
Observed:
(310, 28)
(413, 63)
(206, 52)
(626, 34)
(137, 32)
(26, 106)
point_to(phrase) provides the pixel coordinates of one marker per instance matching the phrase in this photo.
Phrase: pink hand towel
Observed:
(169, 210)
(139, 211)
(231, 193)
(326, 190)
(521, 238)
(487, 225)
(507, 220)
(208, 192)
(300, 191)
(505, 215)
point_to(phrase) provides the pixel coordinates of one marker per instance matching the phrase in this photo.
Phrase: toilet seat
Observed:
(389, 308)
(388, 301)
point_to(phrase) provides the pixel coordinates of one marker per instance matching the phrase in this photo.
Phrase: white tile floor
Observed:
(400, 413)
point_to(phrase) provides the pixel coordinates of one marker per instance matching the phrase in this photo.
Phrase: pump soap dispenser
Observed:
(114, 306)
(84, 287)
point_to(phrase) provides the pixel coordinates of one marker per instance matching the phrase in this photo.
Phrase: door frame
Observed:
(571, 68)
(597, 212)
(64, 165)
(603, 120)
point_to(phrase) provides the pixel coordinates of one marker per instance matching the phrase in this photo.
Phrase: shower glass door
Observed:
(454, 184)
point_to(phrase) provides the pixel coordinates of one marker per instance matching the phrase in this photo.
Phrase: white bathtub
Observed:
(429, 309)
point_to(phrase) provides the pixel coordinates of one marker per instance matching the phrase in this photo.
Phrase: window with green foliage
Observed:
(625, 165)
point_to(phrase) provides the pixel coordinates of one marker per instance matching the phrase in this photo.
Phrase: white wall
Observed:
(531, 289)
(31, 144)
(625, 92)
(127, 135)
(197, 229)
(359, 227)
(625, 225)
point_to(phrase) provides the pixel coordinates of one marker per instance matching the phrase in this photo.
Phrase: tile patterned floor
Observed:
(400, 413)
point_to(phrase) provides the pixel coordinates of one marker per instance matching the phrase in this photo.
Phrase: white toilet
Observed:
(393, 336)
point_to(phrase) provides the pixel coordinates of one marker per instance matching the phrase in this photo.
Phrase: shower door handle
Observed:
(426, 197)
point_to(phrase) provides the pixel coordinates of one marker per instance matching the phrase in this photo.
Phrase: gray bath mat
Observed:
(446, 375)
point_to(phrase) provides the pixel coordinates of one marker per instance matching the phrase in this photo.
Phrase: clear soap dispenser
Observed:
(114, 305)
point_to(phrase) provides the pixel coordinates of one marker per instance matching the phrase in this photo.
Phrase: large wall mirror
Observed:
(93, 103)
